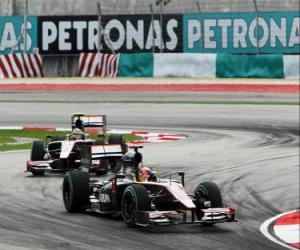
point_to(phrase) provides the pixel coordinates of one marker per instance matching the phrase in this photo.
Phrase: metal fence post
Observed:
(257, 24)
(13, 7)
(152, 21)
(99, 28)
(25, 27)
(99, 45)
(201, 26)
(101, 33)
(161, 27)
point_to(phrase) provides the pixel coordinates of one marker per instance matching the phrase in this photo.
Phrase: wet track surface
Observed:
(250, 151)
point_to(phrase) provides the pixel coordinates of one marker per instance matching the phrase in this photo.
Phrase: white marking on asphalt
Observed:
(264, 228)
(288, 233)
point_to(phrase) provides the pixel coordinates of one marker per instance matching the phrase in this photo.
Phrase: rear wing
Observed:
(95, 152)
(92, 124)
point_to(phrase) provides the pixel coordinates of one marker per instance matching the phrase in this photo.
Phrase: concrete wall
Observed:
(67, 66)
(6, 8)
(71, 7)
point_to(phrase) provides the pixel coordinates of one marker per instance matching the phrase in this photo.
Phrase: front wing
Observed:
(210, 216)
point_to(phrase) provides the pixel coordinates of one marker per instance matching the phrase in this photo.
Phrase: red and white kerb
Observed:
(284, 229)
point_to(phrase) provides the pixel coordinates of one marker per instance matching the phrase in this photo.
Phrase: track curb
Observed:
(283, 229)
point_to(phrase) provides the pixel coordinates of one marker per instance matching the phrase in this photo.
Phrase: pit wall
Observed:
(209, 65)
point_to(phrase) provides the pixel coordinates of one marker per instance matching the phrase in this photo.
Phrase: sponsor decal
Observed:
(12, 35)
(95, 206)
(104, 198)
(122, 33)
(278, 32)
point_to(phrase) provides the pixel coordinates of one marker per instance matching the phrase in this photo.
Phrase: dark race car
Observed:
(142, 199)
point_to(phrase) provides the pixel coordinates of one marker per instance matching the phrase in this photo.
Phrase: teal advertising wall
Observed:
(236, 32)
(11, 30)
(278, 33)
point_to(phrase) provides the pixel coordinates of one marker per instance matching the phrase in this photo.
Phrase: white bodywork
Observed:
(177, 190)
(108, 150)
(67, 147)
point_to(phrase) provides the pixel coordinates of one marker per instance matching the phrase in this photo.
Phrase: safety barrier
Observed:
(96, 64)
(206, 65)
(291, 65)
(21, 65)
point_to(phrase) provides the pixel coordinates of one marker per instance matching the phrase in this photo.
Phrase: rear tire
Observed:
(103, 167)
(75, 190)
(37, 151)
(100, 141)
(135, 197)
(116, 139)
(207, 191)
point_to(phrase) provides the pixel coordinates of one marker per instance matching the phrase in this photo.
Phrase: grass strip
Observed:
(6, 137)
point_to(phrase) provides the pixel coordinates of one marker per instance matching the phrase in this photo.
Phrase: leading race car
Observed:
(60, 154)
(140, 197)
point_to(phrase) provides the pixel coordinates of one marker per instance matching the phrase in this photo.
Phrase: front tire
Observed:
(37, 151)
(207, 191)
(135, 197)
(37, 154)
(75, 191)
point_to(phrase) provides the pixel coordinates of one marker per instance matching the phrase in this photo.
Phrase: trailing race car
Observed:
(60, 154)
(140, 197)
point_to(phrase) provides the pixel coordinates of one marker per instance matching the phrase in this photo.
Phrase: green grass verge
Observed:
(6, 137)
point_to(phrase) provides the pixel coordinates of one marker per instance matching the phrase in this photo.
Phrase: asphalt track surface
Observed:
(250, 151)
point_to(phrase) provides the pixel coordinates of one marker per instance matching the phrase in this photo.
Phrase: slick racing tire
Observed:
(207, 191)
(100, 141)
(75, 191)
(135, 197)
(115, 139)
(37, 151)
(103, 167)
(118, 139)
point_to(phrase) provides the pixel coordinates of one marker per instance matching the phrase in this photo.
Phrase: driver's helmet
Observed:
(77, 134)
(79, 124)
(146, 174)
